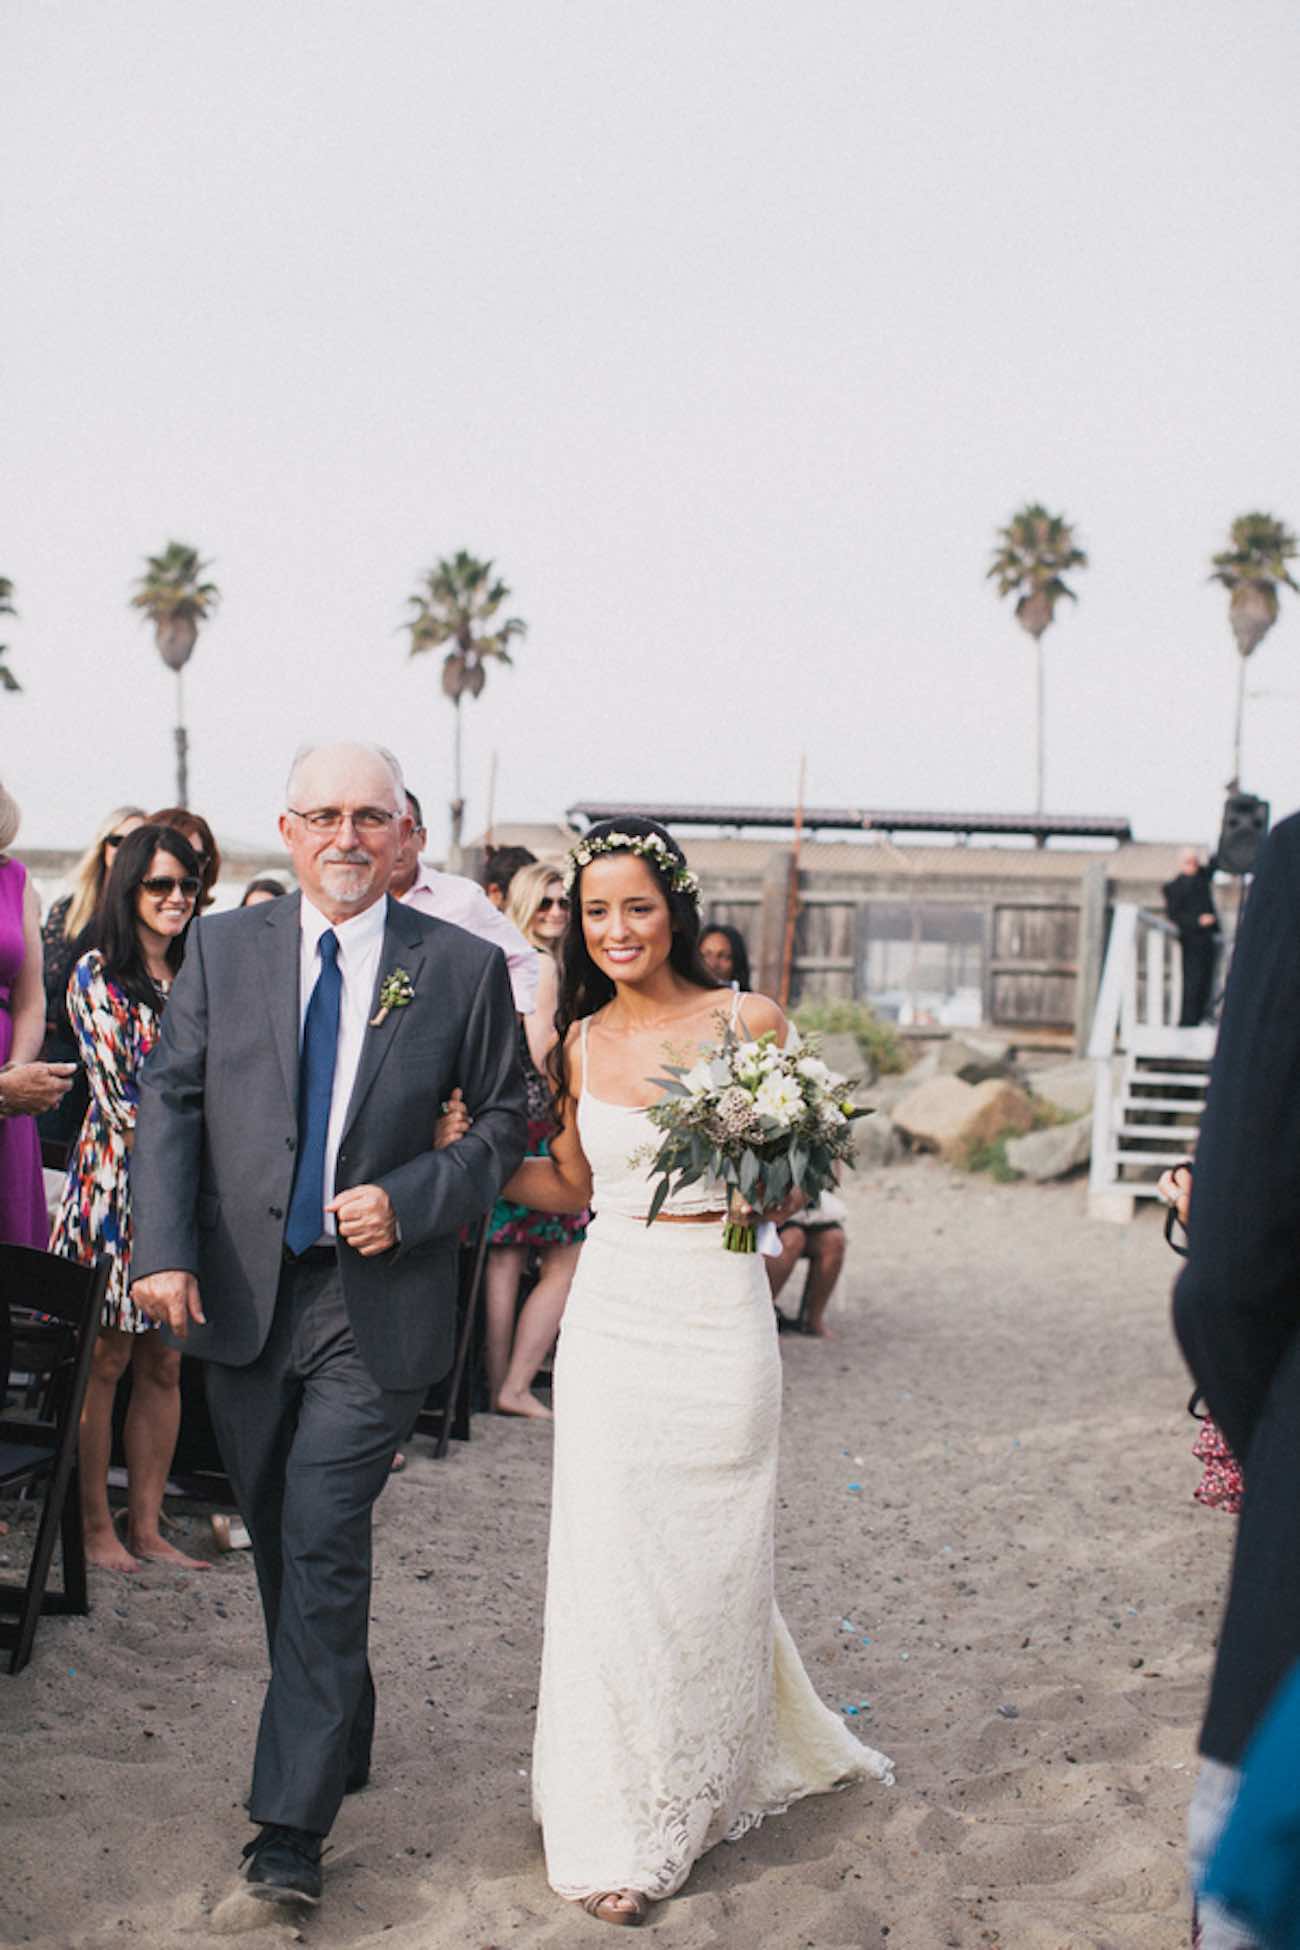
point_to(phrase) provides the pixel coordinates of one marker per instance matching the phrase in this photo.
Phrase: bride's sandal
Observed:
(603, 1905)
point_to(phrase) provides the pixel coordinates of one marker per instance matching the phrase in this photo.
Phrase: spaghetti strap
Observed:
(736, 999)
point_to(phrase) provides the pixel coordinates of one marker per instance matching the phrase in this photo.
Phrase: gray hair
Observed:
(381, 752)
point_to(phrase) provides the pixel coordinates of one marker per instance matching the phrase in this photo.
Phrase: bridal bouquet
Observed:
(763, 1120)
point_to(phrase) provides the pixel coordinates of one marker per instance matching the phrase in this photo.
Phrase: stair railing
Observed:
(1139, 999)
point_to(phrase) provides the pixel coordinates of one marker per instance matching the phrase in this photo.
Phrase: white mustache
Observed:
(340, 859)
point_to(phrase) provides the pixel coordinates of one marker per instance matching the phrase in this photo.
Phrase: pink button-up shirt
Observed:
(451, 897)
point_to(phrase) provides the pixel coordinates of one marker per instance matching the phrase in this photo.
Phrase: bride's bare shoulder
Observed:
(759, 1015)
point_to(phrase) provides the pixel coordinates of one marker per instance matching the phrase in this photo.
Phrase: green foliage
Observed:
(992, 1158)
(171, 586)
(1250, 569)
(1260, 548)
(1029, 562)
(882, 1049)
(456, 600)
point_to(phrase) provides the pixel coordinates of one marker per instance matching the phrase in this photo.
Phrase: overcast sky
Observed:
(730, 331)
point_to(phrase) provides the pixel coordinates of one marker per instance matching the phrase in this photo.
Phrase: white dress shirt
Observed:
(360, 942)
(452, 897)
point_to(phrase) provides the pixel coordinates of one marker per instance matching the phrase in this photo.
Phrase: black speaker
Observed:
(1244, 829)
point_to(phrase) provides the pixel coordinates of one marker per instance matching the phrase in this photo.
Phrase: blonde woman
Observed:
(61, 940)
(22, 1027)
(539, 908)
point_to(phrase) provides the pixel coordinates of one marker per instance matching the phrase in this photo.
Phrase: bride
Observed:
(674, 1711)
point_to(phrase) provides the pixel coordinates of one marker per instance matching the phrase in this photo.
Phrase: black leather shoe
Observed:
(283, 1864)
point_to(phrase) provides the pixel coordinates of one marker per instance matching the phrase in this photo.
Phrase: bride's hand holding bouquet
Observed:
(770, 1124)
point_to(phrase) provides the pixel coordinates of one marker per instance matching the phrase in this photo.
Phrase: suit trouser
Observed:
(1199, 951)
(307, 1436)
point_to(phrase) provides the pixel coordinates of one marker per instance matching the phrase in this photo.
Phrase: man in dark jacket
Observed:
(1189, 903)
(1237, 1312)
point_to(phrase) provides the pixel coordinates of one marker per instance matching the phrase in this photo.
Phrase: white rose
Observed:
(778, 1098)
(699, 1079)
(815, 1070)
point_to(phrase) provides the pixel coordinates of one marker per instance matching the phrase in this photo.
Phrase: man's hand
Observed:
(171, 1300)
(365, 1219)
(1175, 1188)
(28, 1089)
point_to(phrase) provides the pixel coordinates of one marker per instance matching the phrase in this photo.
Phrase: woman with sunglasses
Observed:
(65, 936)
(194, 827)
(539, 908)
(115, 999)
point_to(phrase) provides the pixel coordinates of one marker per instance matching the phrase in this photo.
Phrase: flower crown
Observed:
(647, 846)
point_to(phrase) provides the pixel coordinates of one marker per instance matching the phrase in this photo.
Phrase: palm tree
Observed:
(1252, 568)
(1033, 552)
(456, 604)
(176, 600)
(8, 682)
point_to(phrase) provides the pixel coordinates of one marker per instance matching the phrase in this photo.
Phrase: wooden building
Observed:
(934, 918)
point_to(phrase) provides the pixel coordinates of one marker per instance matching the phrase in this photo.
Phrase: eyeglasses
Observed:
(160, 885)
(548, 901)
(327, 819)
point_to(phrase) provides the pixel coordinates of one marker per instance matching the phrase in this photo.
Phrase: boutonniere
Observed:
(395, 991)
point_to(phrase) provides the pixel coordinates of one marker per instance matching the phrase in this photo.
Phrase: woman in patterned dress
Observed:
(115, 999)
(540, 910)
(65, 935)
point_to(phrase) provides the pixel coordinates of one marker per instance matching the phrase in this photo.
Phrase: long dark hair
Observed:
(735, 940)
(116, 934)
(583, 987)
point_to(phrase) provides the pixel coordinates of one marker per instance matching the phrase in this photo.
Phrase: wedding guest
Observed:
(1189, 903)
(817, 1235)
(116, 998)
(539, 908)
(23, 1220)
(452, 897)
(193, 827)
(1237, 1314)
(65, 937)
(724, 954)
(499, 869)
(265, 888)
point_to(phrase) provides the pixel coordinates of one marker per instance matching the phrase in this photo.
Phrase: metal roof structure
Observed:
(1039, 827)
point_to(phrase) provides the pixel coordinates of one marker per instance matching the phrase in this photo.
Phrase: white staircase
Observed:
(1149, 1076)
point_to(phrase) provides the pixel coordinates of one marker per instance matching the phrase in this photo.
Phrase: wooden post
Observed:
(792, 891)
(489, 837)
(1092, 942)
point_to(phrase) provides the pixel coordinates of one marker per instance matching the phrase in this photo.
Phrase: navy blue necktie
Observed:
(320, 1038)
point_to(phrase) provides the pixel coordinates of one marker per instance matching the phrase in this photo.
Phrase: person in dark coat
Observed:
(1237, 1313)
(1189, 903)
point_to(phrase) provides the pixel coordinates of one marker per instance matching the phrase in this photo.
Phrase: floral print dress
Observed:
(519, 1225)
(115, 1033)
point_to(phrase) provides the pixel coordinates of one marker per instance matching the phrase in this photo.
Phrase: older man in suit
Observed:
(295, 1227)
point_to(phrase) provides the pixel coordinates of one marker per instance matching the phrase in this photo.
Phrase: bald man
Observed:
(295, 1228)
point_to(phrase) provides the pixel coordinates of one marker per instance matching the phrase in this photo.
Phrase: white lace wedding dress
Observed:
(674, 1709)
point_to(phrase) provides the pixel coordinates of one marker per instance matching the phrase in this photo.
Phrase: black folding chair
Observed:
(448, 1405)
(42, 1451)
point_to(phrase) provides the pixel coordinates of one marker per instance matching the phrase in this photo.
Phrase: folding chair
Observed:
(43, 1450)
(447, 1406)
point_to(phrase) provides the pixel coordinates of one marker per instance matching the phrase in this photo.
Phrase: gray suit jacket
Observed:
(217, 1132)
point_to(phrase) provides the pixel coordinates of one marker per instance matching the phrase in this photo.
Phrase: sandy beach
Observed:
(986, 1544)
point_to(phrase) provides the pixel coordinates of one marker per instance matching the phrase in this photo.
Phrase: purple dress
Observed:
(23, 1219)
